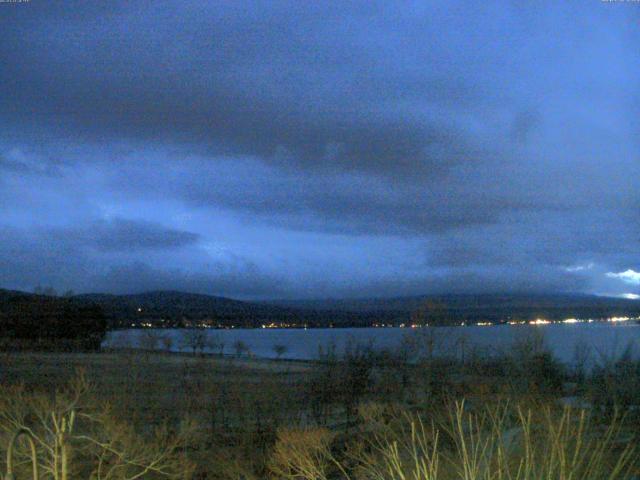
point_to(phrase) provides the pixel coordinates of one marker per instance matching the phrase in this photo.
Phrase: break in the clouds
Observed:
(628, 276)
(273, 149)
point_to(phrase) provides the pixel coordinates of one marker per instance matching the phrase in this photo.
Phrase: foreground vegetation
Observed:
(44, 322)
(365, 414)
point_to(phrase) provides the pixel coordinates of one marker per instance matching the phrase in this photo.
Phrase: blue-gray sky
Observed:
(320, 149)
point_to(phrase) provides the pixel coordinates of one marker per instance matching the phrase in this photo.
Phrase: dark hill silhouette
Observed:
(482, 307)
(44, 322)
(180, 309)
(172, 308)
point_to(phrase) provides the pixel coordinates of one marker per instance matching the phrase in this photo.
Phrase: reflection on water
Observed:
(566, 341)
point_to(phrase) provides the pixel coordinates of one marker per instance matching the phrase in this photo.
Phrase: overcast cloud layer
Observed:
(313, 149)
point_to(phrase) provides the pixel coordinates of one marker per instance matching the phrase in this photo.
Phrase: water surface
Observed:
(566, 341)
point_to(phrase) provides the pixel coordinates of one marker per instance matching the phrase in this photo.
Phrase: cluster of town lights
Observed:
(282, 325)
(537, 321)
(542, 321)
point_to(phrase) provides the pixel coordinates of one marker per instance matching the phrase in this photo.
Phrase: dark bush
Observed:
(614, 384)
(49, 322)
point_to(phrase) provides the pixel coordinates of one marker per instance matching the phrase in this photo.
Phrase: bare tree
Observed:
(280, 350)
(195, 339)
(167, 342)
(216, 343)
(240, 347)
(149, 339)
(75, 437)
(423, 344)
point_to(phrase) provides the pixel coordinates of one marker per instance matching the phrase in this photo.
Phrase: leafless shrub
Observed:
(78, 438)
(194, 339)
(499, 442)
(216, 343)
(302, 454)
(167, 342)
(280, 350)
(149, 339)
(240, 347)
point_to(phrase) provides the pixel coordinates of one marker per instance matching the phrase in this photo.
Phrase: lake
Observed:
(603, 340)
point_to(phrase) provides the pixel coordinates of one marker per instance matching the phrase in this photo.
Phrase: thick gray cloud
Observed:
(285, 148)
(94, 259)
(277, 85)
(119, 234)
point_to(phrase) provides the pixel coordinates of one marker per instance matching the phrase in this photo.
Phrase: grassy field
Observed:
(233, 402)
(156, 387)
(356, 417)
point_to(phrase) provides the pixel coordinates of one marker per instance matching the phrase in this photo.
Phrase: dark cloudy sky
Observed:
(315, 149)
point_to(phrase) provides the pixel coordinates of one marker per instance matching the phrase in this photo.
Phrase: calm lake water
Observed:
(603, 340)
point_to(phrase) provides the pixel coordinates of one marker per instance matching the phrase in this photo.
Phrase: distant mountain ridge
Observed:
(181, 309)
(174, 308)
(494, 307)
(407, 303)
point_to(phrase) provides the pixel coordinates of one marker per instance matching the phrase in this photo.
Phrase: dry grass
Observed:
(500, 442)
(237, 405)
(76, 436)
(253, 420)
(302, 453)
(152, 388)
